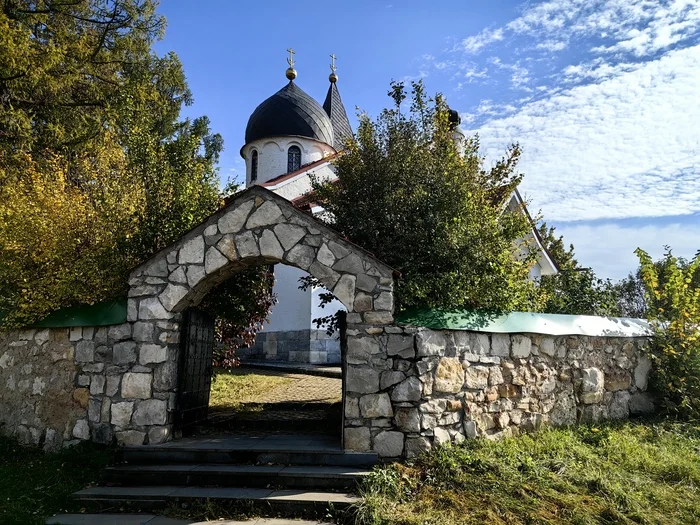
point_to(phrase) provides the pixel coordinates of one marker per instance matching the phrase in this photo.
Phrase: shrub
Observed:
(675, 344)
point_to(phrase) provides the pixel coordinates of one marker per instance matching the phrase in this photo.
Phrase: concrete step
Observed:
(282, 501)
(278, 449)
(221, 475)
(152, 519)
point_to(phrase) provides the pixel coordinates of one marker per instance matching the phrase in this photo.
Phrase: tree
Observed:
(406, 193)
(97, 171)
(673, 297)
(574, 290)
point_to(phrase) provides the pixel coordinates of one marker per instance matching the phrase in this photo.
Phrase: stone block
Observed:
(500, 345)
(351, 264)
(97, 385)
(120, 332)
(408, 390)
(416, 446)
(619, 407)
(641, 373)
(362, 380)
(102, 433)
(136, 386)
(449, 376)
(357, 439)
(593, 380)
(151, 308)
(401, 345)
(389, 444)
(495, 376)
(325, 256)
(81, 430)
(150, 412)
(384, 301)
(390, 377)
(378, 317)
(81, 396)
(150, 354)
(344, 290)
(112, 385)
(376, 405)
(476, 377)
(144, 332)
(441, 436)
(407, 419)
(363, 302)
(360, 349)
(352, 408)
(192, 252)
(270, 246)
(130, 437)
(470, 428)
(121, 414)
(158, 435)
(268, 213)
(85, 351)
(547, 346)
(303, 256)
(521, 346)
(289, 235)
(430, 343)
(172, 295)
(124, 353)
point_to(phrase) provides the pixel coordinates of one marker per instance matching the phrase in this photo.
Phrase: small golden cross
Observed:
(333, 68)
(290, 60)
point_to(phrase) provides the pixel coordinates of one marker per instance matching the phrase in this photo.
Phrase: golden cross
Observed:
(290, 60)
(333, 68)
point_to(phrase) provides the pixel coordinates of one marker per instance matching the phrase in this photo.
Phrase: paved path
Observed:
(150, 519)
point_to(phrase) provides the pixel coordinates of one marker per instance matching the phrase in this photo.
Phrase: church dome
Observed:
(290, 112)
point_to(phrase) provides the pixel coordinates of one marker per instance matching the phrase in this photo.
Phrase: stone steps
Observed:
(222, 475)
(277, 501)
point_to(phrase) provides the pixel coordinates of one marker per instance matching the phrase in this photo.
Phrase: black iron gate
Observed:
(196, 349)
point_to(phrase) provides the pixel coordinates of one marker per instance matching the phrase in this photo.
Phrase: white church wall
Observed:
(302, 185)
(272, 155)
(293, 308)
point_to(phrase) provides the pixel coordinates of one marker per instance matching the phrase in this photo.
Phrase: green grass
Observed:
(232, 389)
(625, 473)
(35, 485)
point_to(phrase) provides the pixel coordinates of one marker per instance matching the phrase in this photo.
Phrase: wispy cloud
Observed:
(476, 43)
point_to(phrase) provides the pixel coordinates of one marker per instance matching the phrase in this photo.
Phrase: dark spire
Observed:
(339, 118)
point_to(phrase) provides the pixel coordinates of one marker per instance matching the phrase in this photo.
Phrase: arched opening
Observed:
(293, 158)
(256, 228)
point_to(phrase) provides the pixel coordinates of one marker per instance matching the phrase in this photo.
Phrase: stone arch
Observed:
(259, 227)
(255, 227)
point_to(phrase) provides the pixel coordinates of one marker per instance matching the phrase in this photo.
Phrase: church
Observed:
(289, 138)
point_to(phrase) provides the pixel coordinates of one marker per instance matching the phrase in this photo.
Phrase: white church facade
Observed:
(289, 138)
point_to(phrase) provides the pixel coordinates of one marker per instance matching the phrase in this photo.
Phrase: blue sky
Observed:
(603, 95)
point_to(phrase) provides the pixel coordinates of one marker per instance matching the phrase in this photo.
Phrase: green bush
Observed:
(675, 346)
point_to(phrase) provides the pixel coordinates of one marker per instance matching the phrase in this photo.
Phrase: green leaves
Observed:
(407, 194)
(673, 294)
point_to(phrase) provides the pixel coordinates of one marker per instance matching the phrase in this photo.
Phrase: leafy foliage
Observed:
(97, 171)
(574, 289)
(674, 296)
(406, 193)
(240, 305)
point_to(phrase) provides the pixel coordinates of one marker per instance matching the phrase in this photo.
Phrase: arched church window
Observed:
(293, 159)
(254, 166)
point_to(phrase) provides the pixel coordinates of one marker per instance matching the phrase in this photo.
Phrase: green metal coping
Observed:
(113, 312)
(105, 313)
(524, 322)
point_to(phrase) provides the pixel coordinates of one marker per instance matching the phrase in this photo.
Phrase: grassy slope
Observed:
(35, 485)
(627, 473)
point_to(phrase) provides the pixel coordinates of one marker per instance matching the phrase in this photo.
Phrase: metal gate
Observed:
(196, 349)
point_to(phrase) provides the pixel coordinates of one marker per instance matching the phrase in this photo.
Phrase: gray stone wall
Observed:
(40, 401)
(294, 346)
(411, 389)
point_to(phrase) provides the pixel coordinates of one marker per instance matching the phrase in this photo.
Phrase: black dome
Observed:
(290, 111)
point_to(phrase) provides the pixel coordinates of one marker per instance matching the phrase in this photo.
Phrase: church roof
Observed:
(290, 112)
(333, 106)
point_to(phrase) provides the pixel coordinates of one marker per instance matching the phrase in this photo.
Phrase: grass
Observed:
(232, 389)
(35, 485)
(618, 473)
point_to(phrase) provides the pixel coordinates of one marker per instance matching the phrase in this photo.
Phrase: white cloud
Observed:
(625, 147)
(609, 248)
(474, 44)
